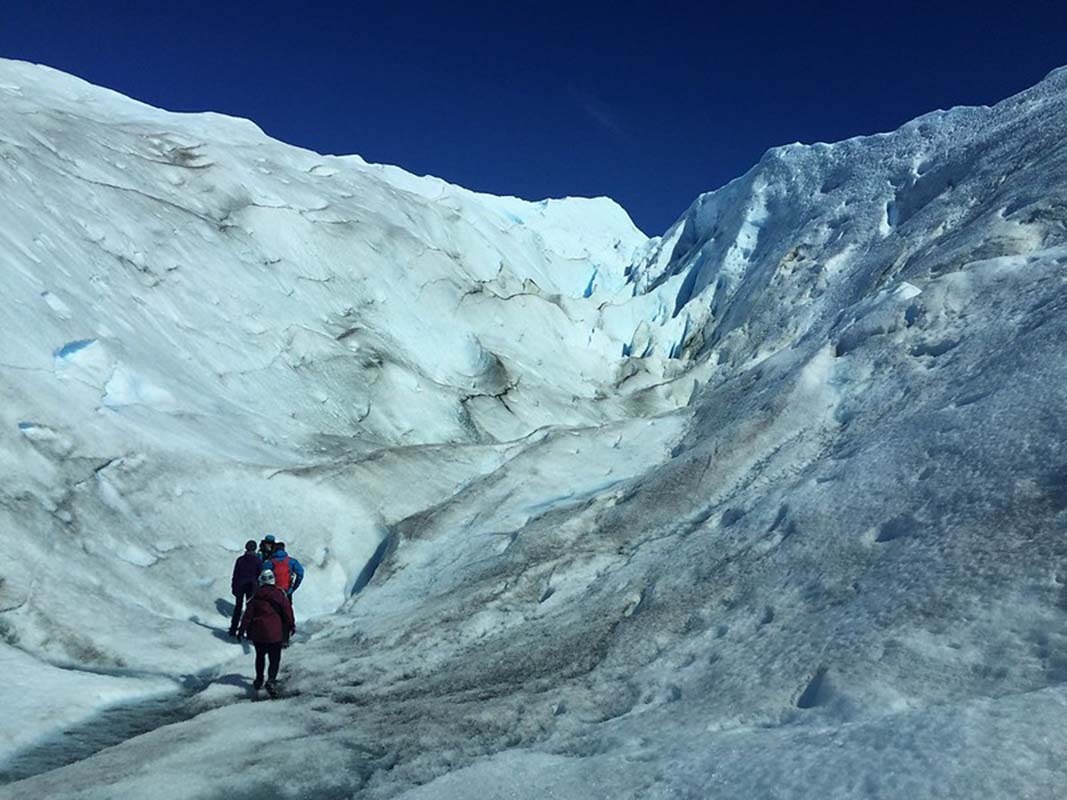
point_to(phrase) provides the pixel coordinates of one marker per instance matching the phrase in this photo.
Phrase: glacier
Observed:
(771, 505)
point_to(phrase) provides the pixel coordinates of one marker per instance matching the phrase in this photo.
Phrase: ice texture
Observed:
(772, 505)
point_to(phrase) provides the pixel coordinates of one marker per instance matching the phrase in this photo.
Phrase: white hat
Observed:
(265, 577)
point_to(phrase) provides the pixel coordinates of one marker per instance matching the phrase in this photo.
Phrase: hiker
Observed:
(243, 583)
(268, 621)
(266, 547)
(288, 572)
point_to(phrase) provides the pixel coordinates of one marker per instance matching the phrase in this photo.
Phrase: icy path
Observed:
(553, 470)
(109, 727)
(212, 686)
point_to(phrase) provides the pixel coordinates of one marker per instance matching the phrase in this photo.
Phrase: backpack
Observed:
(283, 574)
(265, 619)
(258, 609)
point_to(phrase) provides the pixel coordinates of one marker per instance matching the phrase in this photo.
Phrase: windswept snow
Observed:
(771, 505)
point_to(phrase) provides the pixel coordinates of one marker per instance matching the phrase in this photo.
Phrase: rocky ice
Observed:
(774, 505)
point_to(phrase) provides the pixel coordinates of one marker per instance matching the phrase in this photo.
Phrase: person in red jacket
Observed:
(268, 621)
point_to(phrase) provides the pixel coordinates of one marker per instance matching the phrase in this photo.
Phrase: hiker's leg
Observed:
(238, 607)
(275, 653)
(261, 657)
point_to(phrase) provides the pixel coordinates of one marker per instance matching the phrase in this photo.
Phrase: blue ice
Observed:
(70, 348)
(591, 285)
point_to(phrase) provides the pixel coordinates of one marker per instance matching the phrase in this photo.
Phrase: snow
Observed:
(61, 698)
(771, 505)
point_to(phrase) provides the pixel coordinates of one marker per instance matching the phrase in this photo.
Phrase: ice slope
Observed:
(210, 335)
(838, 571)
(177, 334)
(827, 225)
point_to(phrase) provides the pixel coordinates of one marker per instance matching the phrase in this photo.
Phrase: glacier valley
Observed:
(773, 505)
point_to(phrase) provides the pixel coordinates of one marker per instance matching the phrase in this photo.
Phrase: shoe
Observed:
(257, 684)
(272, 689)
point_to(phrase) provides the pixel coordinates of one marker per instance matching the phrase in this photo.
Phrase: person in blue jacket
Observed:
(288, 575)
(288, 572)
(243, 583)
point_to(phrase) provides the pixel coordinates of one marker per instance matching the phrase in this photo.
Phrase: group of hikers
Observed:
(265, 578)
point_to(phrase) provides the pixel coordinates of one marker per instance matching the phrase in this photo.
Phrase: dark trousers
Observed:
(274, 652)
(238, 607)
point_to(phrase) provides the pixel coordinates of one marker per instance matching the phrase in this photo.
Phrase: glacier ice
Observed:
(770, 505)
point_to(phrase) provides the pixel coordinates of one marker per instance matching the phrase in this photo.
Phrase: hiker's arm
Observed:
(298, 572)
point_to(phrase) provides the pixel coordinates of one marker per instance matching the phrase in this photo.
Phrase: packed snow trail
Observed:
(108, 727)
(194, 694)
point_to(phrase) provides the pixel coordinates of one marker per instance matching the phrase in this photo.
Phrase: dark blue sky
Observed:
(649, 103)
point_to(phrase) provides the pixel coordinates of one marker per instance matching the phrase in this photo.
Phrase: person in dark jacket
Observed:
(266, 547)
(268, 621)
(243, 583)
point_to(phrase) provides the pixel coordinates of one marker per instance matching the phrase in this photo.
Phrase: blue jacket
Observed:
(295, 566)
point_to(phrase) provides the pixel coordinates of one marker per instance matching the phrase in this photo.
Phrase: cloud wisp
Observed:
(600, 113)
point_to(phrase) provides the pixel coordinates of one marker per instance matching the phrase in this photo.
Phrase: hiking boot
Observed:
(272, 689)
(257, 684)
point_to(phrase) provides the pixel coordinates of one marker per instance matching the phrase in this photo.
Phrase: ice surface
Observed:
(773, 505)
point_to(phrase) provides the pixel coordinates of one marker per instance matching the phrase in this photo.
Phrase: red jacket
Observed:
(269, 616)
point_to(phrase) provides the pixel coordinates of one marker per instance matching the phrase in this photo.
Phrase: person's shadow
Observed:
(233, 679)
(222, 634)
(224, 607)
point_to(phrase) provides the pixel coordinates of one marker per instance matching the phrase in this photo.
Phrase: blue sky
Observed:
(648, 103)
